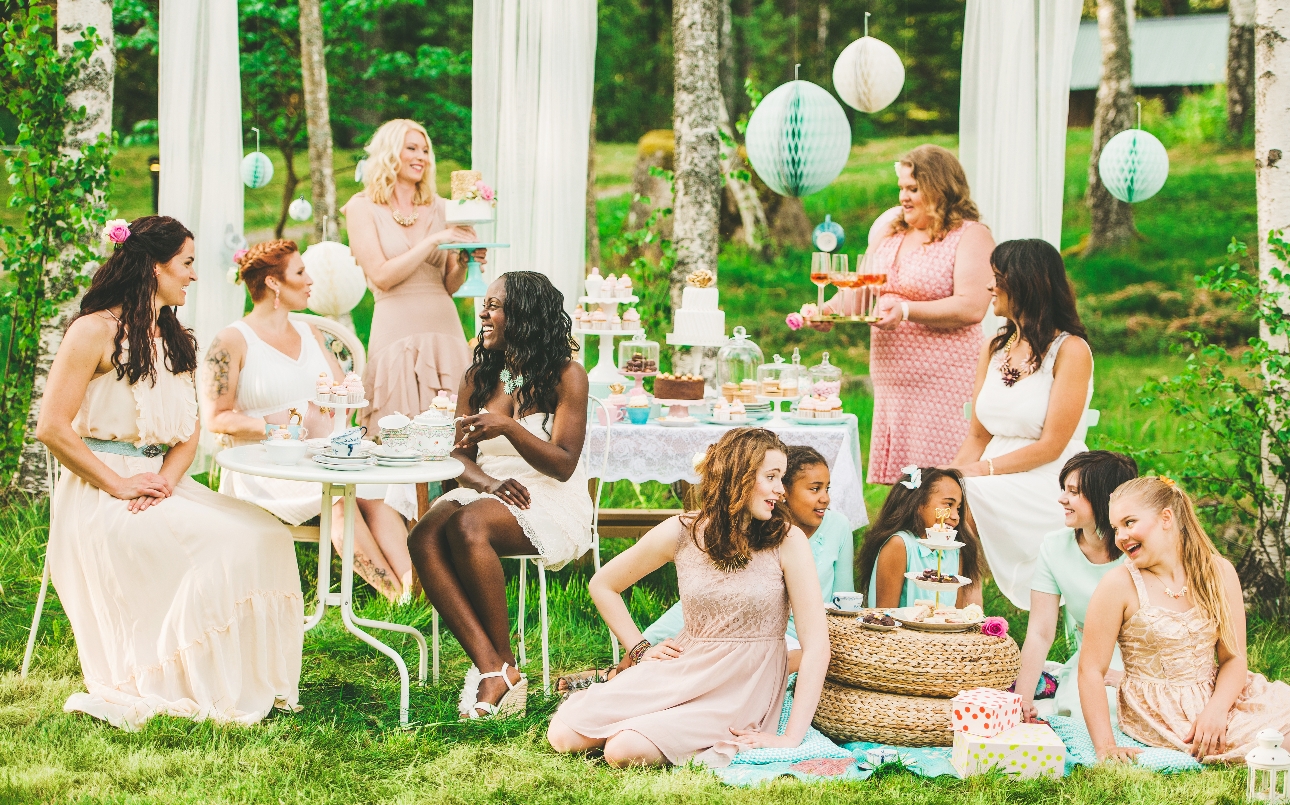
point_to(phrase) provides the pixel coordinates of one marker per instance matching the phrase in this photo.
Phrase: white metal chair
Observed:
(51, 480)
(541, 569)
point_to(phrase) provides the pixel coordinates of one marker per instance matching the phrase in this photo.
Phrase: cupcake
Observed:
(806, 409)
(610, 287)
(631, 319)
(354, 390)
(832, 408)
(322, 390)
(738, 413)
(339, 393)
(615, 323)
(595, 283)
(599, 321)
(721, 411)
(624, 286)
(638, 406)
(577, 315)
(441, 402)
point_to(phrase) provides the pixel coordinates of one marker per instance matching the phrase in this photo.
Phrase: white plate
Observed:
(687, 422)
(878, 627)
(844, 613)
(937, 545)
(919, 626)
(840, 420)
(938, 586)
(344, 467)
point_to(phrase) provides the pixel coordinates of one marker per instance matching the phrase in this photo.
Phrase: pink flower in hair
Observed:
(116, 230)
(994, 627)
(794, 321)
(238, 255)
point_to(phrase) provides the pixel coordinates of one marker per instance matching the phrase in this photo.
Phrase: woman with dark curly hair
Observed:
(184, 602)
(523, 419)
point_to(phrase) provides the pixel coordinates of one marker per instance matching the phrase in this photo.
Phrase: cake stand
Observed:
(605, 372)
(935, 542)
(678, 411)
(776, 420)
(639, 377)
(474, 287)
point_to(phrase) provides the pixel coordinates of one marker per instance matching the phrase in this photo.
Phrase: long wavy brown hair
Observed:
(944, 188)
(1041, 301)
(729, 472)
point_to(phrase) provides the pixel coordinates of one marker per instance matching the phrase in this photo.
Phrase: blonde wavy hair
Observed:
(1199, 556)
(384, 155)
(944, 188)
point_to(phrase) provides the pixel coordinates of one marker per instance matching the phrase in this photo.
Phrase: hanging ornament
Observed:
(257, 168)
(300, 210)
(828, 236)
(798, 139)
(359, 170)
(339, 283)
(1133, 164)
(868, 74)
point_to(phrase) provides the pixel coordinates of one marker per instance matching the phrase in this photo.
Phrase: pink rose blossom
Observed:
(809, 310)
(794, 321)
(994, 627)
(116, 230)
(238, 255)
(485, 192)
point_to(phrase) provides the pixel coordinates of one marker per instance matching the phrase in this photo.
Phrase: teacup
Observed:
(637, 416)
(346, 443)
(848, 602)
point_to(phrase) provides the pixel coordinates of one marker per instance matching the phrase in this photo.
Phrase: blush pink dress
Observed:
(1169, 673)
(921, 376)
(731, 673)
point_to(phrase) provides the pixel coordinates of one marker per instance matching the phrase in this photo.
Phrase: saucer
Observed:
(347, 466)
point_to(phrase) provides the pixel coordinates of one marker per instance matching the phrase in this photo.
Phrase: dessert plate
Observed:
(878, 627)
(938, 586)
(347, 466)
(840, 420)
(678, 422)
(907, 615)
(844, 613)
(939, 545)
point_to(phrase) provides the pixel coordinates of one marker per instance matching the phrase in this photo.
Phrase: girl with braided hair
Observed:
(184, 602)
(259, 368)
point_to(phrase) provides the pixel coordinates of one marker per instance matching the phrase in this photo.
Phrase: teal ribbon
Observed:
(125, 448)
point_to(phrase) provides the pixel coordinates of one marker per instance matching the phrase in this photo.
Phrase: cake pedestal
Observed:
(678, 409)
(474, 286)
(605, 372)
(776, 420)
(639, 377)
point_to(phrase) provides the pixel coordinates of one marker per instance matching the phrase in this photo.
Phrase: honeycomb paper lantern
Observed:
(868, 74)
(300, 210)
(339, 283)
(1133, 166)
(257, 170)
(798, 139)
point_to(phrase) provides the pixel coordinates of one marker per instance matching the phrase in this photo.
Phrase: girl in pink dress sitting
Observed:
(1176, 608)
(718, 687)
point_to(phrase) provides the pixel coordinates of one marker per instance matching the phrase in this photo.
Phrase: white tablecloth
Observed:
(652, 452)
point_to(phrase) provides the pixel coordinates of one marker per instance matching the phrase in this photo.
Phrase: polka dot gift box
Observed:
(985, 712)
(1027, 750)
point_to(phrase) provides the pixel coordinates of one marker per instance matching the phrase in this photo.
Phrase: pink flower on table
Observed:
(994, 627)
(485, 192)
(794, 321)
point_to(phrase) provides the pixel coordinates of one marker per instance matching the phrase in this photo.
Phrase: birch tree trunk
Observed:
(1112, 219)
(752, 215)
(1240, 65)
(313, 68)
(593, 220)
(696, 112)
(1272, 188)
(93, 90)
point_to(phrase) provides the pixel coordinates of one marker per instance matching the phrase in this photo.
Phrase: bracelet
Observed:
(638, 651)
(989, 462)
(904, 310)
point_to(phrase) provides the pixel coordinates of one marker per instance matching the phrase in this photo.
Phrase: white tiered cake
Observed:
(472, 201)
(699, 322)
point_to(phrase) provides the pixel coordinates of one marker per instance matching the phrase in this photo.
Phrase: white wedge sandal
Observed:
(513, 703)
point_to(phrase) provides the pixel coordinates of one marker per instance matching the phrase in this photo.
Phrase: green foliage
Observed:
(1236, 400)
(58, 195)
(1201, 117)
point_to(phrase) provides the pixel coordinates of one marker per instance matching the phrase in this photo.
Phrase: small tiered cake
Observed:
(699, 321)
(472, 200)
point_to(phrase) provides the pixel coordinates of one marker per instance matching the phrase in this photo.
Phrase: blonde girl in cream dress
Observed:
(183, 602)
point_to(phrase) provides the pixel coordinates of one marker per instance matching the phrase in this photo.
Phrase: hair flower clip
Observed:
(915, 474)
(116, 231)
(234, 276)
(1169, 482)
(239, 255)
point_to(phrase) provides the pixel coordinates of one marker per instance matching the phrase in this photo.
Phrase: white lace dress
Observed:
(191, 608)
(558, 520)
(1015, 511)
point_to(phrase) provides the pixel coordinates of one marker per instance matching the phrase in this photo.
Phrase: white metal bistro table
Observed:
(253, 460)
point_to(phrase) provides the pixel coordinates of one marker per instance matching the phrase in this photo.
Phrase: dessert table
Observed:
(654, 452)
(253, 460)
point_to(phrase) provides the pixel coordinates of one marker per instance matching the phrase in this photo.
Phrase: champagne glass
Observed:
(820, 276)
(839, 275)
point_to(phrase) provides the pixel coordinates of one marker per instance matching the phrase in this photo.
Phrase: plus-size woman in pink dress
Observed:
(925, 345)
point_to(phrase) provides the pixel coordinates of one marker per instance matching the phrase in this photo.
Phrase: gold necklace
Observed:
(1010, 373)
(401, 219)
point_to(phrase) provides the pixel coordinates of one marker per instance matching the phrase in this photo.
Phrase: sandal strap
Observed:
(489, 710)
(502, 673)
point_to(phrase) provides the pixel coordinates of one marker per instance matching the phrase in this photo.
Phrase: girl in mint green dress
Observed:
(890, 548)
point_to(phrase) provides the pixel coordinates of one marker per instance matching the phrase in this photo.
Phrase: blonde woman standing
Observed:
(396, 225)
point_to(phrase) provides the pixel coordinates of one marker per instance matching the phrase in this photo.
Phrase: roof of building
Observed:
(1167, 52)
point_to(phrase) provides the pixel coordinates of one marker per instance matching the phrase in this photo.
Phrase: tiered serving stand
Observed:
(605, 373)
(939, 539)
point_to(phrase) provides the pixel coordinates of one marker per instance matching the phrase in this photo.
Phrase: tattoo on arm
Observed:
(217, 363)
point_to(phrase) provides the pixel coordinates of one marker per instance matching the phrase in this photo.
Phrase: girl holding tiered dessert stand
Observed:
(1072, 561)
(250, 378)
(719, 687)
(1176, 609)
(417, 347)
(922, 499)
(522, 414)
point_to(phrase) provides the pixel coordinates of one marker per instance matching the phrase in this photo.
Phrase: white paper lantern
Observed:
(339, 283)
(798, 139)
(868, 74)
(1133, 165)
(257, 170)
(1269, 769)
(359, 170)
(300, 210)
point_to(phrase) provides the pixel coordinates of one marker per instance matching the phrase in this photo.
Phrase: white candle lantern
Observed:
(1269, 769)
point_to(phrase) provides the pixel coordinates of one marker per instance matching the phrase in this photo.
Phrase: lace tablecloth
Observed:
(652, 452)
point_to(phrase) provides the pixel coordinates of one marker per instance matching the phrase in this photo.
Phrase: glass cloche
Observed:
(826, 379)
(779, 379)
(737, 365)
(638, 355)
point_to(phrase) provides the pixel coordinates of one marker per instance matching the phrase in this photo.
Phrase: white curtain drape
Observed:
(1012, 121)
(533, 68)
(199, 122)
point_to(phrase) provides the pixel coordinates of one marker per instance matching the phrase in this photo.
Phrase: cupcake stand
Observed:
(604, 374)
(939, 539)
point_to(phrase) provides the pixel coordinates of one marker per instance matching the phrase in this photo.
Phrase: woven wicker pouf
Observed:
(924, 664)
(849, 714)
